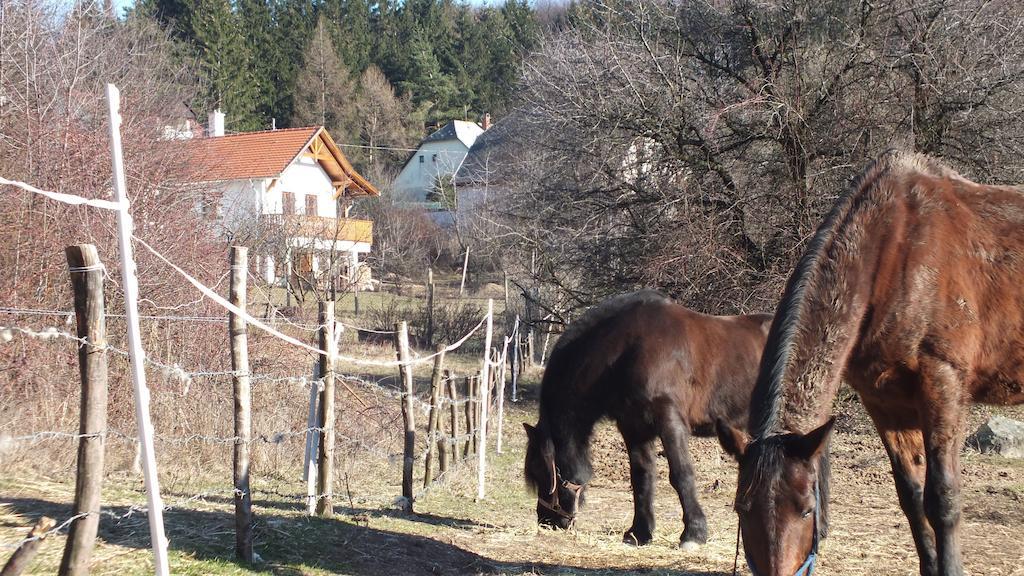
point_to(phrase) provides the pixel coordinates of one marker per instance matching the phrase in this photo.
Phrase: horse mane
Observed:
(831, 243)
(606, 309)
(824, 249)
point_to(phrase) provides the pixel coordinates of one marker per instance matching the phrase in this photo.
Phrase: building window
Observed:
(288, 203)
(421, 158)
(434, 159)
(311, 205)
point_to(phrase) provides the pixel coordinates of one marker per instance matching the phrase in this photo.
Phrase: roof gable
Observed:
(267, 154)
(465, 132)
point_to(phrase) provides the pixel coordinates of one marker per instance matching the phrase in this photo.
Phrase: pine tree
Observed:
(223, 63)
(351, 31)
(324, 91)
(293, 27)
(257, 26)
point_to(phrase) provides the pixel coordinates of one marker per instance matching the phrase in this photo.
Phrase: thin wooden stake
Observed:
(87, 283)
(471, 401)
(23, 556)
(517, 361)
(430, 307)
(465, 266)
(408, 415)
(500, 393)
(328, 357)
(309, 473)
(130, 286)
(453, 403)
(243, 404)
(485, 391)
(432, 419)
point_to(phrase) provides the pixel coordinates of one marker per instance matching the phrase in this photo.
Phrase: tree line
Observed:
(372, 72)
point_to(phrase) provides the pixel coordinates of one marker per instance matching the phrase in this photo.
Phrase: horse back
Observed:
(948, 286)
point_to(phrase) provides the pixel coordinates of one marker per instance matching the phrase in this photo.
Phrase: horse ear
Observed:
(733, 440)
(530, 430)
(810, 446)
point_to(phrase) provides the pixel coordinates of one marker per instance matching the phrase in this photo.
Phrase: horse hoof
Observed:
(631, 538)
(689, 546)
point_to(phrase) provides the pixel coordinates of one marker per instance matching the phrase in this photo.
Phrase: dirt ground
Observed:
(451, 533)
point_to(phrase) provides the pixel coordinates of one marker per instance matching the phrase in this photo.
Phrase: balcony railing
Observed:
(321, 227)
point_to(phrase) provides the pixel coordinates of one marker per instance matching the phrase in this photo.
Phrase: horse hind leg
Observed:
(942, 425)
(675, 439)
(642, 474)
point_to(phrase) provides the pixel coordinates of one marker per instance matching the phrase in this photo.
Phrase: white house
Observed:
(287, 193)
(439, 155)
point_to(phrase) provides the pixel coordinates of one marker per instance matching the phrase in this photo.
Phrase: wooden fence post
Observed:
(453, 403)
(470, 445)
(430, 307)
(408, 416)
(500, 393)
(465, 266)
(516, 361)
(444, 442)
(87, 284)
(22, 557)
(243, 404)
(328, 356)
(485, 393)
(432, 419)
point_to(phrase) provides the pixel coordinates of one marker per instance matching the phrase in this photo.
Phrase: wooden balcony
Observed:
(323, 228)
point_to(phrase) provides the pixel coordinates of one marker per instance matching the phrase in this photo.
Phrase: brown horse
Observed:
(659, 371)
(911, 292)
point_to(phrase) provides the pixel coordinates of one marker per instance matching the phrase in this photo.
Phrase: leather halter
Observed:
(552, 503)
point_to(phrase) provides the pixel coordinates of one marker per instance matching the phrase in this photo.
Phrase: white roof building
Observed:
(440, 155)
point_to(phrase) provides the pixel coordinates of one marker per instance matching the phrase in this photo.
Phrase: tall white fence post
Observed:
(485, 393)
(130, 286)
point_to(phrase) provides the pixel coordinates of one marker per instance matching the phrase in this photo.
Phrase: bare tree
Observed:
(694, 146)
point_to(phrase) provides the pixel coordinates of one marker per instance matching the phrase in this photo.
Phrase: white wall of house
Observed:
(416, 179)
(303, 178)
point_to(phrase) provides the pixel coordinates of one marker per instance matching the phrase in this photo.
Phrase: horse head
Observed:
(780, 497)
(558, 498)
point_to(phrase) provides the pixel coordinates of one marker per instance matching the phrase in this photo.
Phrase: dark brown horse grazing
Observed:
(659, 371)
(912, 291)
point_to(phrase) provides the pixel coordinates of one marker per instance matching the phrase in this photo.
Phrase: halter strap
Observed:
(553, 504)
(805, 569)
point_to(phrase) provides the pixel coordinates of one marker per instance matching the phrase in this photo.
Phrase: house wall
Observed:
(304, 177)
(416, 179)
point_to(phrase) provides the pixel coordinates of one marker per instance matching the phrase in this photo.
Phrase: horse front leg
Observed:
(905, 448)
(642, 474)
(675, 436)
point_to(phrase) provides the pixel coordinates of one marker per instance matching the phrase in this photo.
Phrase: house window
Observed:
(434, 159)
(421, 158)
(288, 203)
(311, 205)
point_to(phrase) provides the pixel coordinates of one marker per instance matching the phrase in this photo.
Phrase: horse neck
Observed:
(819, 318)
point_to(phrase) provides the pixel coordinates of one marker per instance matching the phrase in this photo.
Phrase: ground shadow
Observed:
(288, 544)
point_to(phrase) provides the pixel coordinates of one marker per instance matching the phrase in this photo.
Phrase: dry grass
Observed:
(451, 532)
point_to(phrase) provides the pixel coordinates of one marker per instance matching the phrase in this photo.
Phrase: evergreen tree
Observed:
(324, 91)
(351, 31)
(257, 26)
(294, 23)
(223, 62)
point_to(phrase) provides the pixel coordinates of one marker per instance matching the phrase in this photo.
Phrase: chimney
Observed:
(216, 124)
(487, 121)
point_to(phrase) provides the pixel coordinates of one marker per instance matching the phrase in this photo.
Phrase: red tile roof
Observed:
(250, 155)
(267, 154)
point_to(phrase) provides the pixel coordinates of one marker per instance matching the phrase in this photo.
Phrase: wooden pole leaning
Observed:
(408, 414)
(434, 417)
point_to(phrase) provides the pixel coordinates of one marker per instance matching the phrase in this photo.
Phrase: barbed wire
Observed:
(54, 530)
